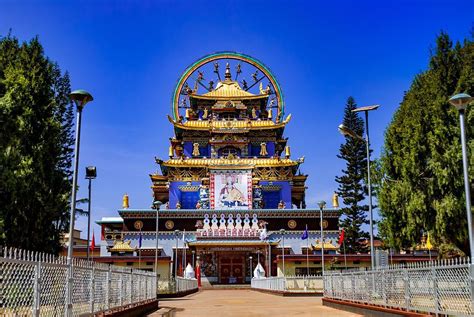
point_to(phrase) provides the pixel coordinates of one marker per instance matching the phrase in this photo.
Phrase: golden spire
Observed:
(228, 76)
(335, 200)
(270, 114)
(170, 151)
(125, 204)
(188, 113)
(287, 151)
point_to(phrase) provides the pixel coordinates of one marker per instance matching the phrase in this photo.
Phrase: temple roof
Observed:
(122, 246)
(228, 89)
(229, 125)
(226, 162)
(327, 246)
(109, 220)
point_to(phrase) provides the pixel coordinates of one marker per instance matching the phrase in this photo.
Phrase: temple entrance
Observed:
(231, 268)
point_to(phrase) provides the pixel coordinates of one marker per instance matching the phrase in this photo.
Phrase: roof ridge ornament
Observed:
(228, 76)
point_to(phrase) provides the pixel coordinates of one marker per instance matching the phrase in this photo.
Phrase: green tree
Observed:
(36, 140)
(421, 187)
(351, 183)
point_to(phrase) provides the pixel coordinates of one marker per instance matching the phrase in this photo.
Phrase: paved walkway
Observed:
(229, 303)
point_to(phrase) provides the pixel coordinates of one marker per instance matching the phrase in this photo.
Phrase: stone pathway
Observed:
(230, 303)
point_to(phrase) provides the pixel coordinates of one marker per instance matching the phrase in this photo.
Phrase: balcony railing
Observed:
(290, 283)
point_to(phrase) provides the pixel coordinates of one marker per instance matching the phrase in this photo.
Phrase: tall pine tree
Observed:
(422, 182)
(351, 183)
(36, 139)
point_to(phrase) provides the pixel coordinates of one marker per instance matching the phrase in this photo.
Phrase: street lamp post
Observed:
(250, 267)
(176, 233)
(348, 132)
(282, 232)
(156, 205)
(80, 98)
(461, 101)
(91, 173)
(322, 205)
(193, 253)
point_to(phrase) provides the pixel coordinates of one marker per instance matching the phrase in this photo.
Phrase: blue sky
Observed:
(129, 55)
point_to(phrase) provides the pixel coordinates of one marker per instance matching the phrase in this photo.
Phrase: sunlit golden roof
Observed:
(228, 89)
(213, 162)
(216, 125)
(327, 246)
(122, 246)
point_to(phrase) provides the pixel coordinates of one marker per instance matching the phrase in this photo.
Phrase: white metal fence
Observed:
(178, 285)
(312, 283)
(440, 287)
(36, 284)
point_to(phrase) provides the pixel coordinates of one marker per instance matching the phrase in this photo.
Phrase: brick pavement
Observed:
(246, 302)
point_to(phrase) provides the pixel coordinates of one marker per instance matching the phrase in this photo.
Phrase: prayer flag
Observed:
(92, 246)
(305, 234)
(341, 237)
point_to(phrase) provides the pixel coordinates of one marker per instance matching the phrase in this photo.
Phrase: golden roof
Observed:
(225, 162)
(327, 246)
(226, 125)
(122, 246)
(228, 89)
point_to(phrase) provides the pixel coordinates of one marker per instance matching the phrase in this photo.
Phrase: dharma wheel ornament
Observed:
(250, 77)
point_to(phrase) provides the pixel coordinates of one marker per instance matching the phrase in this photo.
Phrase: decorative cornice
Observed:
(226, 162)
(229, 125)
(199, 213)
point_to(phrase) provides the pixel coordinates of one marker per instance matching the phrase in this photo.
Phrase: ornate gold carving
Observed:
(125, 203)
(169, 224)
(325, 224)
(196, 149)
(189, 188)
(186, 173)
(138, 225)
(263, 149)
(292, 224)
(271, 188)
(335, 200)
(273, 173)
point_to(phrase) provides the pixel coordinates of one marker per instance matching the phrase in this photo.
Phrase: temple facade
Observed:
(229, 195)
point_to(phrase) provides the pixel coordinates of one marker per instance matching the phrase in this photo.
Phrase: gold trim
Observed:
(229, 124)
(214, 162)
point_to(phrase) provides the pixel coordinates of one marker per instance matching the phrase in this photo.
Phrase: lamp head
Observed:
(91, 172)
(157, 204)
(461, 101)
(322, 204)
(80, 98)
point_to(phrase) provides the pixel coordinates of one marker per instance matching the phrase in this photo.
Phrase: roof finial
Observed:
(227, 72)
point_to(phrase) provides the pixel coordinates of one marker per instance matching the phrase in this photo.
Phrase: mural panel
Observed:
(231, 189)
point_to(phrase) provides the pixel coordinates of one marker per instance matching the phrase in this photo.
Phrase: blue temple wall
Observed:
(254, 150)
(203, 150)
(269, 197)
(176, 194)
(188, 149)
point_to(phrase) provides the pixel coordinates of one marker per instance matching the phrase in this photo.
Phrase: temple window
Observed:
(225, 151)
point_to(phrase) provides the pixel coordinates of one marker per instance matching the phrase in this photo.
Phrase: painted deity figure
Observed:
(254, 113)
(281, 205)
(230, 195)
(205, 114)
(178, 205)
(263, 149)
